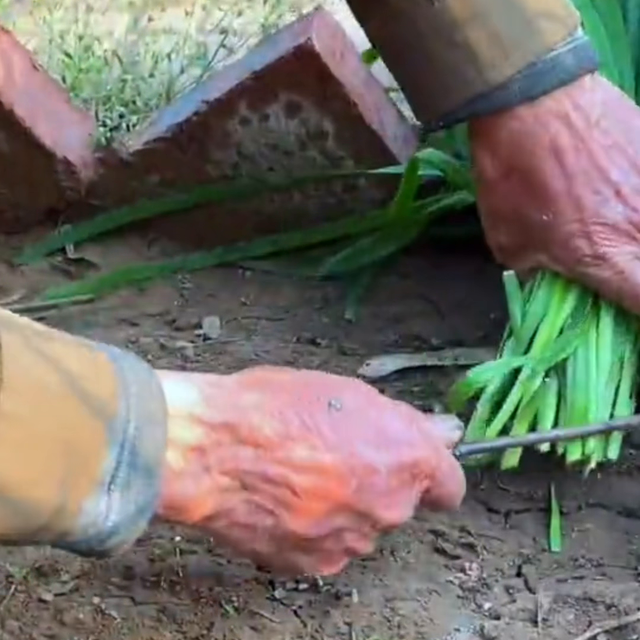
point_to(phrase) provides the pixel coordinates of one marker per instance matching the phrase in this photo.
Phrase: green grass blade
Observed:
(394, 236)
(515, 301)
(595, 29)
(356, 288)
(388, 240)
(478, 378)
(539, 295)
(405, 195)
(373, 248)
(577, 410)
(631, 15)
(146, 209)
(609, 363)
(414, 171)
(554, 350)
(490, 397)
(522, 424)
(270, 245)
(352, 226)
(616, 38)
(555, 522)
(454, 142)
(457, 173)
(548, 406)
(625, 397)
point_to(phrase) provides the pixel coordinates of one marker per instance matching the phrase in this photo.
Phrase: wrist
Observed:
(561, 103)
(195, 404)
(559, 70)
(185, 403)
(468, 62)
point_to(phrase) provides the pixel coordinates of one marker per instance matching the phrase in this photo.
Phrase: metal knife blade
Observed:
(468, 449)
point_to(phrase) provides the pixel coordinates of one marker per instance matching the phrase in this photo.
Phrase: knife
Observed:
(468, 449)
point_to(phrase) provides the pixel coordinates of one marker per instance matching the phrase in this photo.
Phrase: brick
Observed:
(46, 143)
(344, 15)
(301, 101)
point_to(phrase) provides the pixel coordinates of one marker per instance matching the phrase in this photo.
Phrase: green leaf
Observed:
(356, 288)
(373, 248)
(456, 172)
(370, 56)
(407, 189)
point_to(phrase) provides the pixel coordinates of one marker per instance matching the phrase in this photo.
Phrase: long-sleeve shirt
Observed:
(83, 425)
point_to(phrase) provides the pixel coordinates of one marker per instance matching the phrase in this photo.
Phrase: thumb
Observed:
(447, 428)
(446, 484)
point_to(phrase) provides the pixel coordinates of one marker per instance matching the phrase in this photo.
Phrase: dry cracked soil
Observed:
(482, 573)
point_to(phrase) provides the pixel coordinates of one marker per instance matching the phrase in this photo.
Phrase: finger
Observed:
(300, 563)
(449, 428)
(441, 427)
(444, 428)
(446, 484)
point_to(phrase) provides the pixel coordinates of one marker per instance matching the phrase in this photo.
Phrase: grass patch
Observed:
(123, 60)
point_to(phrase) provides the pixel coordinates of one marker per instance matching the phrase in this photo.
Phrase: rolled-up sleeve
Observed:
(82, 440)
(460, 59)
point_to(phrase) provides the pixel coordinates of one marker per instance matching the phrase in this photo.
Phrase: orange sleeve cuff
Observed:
(82, 440)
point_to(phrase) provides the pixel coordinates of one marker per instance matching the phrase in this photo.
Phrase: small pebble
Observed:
(212, 327)
(186, 347)
(45, 596)
(280, 593)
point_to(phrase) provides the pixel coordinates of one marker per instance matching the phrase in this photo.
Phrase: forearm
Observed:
(82, 440)
(460, 59)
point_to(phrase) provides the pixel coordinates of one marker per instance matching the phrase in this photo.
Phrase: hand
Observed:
(301, 470)
(559, 186)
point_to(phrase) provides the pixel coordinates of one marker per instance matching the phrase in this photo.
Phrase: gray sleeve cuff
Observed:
(121, 508)
(574, 58)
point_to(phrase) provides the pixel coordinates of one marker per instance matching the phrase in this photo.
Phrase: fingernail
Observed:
(450, 428)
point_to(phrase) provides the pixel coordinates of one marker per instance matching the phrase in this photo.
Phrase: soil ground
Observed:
(484, 572)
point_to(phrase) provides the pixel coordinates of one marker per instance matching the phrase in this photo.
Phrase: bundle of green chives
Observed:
(568, 358)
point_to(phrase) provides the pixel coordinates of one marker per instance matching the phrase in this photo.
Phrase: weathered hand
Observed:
(559, 186)
(301, 471)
